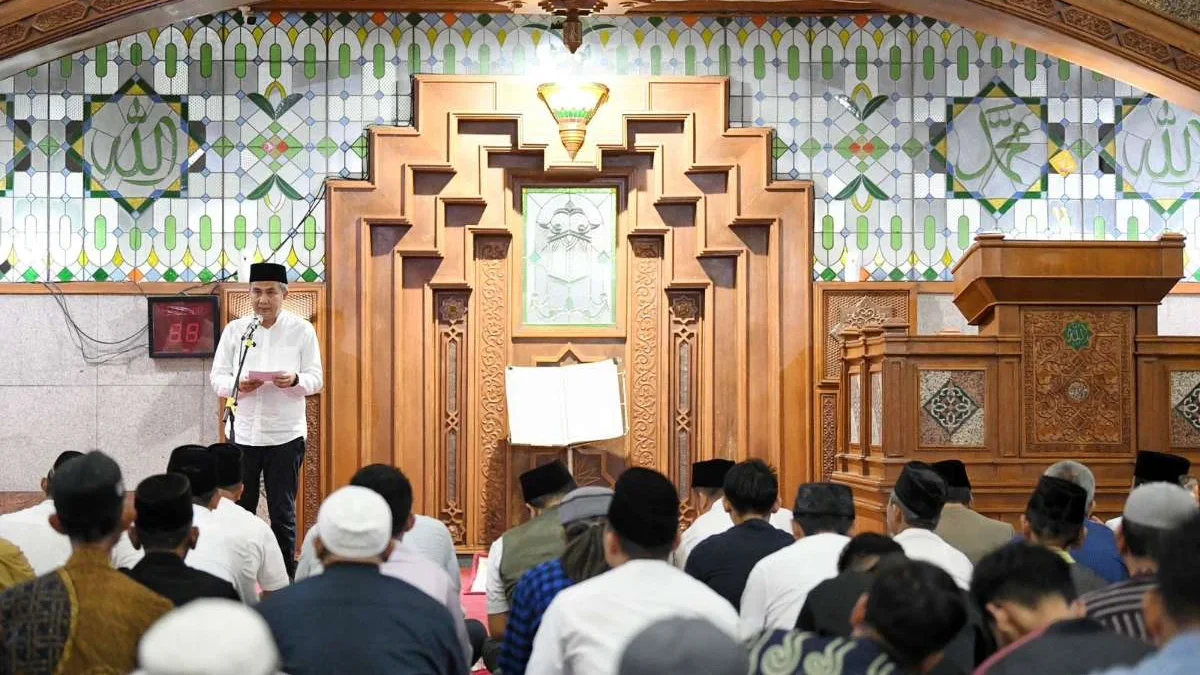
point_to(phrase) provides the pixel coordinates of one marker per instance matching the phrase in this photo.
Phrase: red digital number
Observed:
(191, 335)
(175, 334)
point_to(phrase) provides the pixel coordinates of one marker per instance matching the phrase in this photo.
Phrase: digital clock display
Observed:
(183, 326)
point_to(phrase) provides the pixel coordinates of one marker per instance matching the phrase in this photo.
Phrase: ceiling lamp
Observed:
(573, 106)
(571, 11)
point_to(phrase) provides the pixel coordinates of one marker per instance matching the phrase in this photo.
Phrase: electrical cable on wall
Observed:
(97, 351)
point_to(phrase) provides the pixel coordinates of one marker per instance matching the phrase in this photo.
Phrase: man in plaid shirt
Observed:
(582, 514)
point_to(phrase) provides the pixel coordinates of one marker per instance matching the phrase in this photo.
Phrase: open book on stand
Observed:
(565, 405)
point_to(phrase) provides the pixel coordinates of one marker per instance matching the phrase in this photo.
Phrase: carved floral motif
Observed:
(855, 310)
(644, 341)
(685, 381)
(1096, 25)
(828, 435)
(1077, 394)
(490, 254)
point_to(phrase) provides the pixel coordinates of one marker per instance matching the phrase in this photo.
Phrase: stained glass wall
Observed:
(179, 153)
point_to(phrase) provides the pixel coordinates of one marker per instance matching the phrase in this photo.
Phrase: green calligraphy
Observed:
(1008, 147)
(141, 151)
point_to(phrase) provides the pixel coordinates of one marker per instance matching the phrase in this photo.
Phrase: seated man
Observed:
(525, 546)
(163, 529)
(827, 608)
(353, 618)
(779, 583)
(45, 548)
(1099, 549)
(1054, 519)
(217, 550)
(969, 531)
(723, 561)
(911, 611)
(1026, 592)
(1173, 609)
(588, 624)
(913, 513)
(84, 617)
(256, 543)
(584, 514)
(1151, 513)
(1156, 467)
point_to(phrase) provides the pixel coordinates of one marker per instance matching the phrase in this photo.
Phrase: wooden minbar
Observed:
(1067, 364)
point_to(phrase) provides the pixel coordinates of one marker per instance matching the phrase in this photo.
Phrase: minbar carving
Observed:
(643, 371)
(452, 382)
(491, 256)
(1077, 380)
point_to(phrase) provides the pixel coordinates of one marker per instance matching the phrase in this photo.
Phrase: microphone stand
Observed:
(232, 402)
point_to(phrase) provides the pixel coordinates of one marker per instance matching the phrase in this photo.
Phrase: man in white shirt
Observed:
(912, 516)
(250, 535)
(708, 481)
(779, 584)
(279, 361)
(220, 551)
(45, 548)
(587, 626)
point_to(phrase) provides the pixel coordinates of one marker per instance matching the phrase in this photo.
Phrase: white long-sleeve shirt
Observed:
(255, 546)
(429, 537)
(47, 550)
(780, 583)
(270, 415)
(925, 545)
(587, 626)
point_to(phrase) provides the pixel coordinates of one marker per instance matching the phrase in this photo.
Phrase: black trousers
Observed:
(279, 465)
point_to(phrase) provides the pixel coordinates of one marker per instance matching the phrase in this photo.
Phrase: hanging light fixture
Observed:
(573, 106)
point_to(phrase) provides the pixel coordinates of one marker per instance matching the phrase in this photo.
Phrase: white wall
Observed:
(135, 408)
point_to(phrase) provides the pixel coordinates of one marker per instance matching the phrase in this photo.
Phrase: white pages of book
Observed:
(567, 405)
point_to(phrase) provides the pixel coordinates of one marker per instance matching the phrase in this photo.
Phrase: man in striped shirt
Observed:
(1151, 512)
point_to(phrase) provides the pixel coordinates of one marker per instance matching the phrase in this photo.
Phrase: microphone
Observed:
(252, 327)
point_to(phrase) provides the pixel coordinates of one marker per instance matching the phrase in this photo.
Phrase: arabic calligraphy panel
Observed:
(995, 147)
(570, 266)
(1154, 150)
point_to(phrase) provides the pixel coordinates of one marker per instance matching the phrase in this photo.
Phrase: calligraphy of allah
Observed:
(141, 151)
(571, 270)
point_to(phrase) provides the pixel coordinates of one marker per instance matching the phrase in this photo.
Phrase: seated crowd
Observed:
(602, 581)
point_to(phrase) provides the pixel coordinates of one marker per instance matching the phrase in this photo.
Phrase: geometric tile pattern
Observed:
(876, 110)
(1185, 408)
(952, 408)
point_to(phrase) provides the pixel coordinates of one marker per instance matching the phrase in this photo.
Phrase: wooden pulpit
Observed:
(1067, 365)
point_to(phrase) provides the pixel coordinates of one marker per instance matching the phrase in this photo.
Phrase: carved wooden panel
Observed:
(856, 309)
(491, 254)
(643, 370)
(453, 360)
(829, 437)
(1077, 380)
(701, 227)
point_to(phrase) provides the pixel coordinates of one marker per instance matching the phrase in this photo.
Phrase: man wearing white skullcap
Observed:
(210, 636)
(353, 618)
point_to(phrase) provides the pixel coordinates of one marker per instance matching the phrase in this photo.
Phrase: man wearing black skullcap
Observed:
(46, 549)
(1054, 519)
(913, 512)
(1155, 467)
(967, 530)
(219, 551)
(85, 617)
(523, 547)
(1027, 595)
(708, 500)
(587, 626)
(275, 359)
(264, 568)
(779, 584)
(163, 529)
